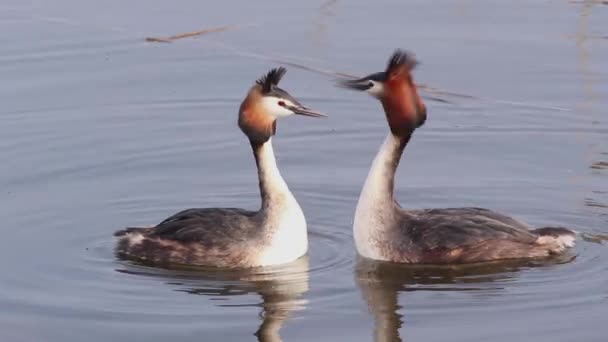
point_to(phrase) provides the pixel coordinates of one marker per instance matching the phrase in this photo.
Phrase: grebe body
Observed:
(384, 231)
(232, 237)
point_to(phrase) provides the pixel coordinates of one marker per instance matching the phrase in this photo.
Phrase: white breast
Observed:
(289, 240)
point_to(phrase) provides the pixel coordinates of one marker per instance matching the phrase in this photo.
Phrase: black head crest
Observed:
(271, 79)
(401, 58)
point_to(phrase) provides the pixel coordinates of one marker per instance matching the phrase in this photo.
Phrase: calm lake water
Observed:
(100, 129)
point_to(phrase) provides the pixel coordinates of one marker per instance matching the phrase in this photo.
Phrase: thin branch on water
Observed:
(590, 36)
(294, 64)
(331, 73)
(436, 94)
(190, 34)
(592, 2)
(435, 91)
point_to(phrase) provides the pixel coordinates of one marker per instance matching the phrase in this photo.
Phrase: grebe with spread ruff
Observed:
(232, 237)
(385, 231)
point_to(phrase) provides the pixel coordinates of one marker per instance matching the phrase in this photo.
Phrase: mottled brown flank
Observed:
(220, 237)
(255, 123)
(167, 252)
(485, 251)
(464, 235)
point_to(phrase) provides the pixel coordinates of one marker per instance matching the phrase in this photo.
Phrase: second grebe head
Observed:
(405, 111)
(265, 103)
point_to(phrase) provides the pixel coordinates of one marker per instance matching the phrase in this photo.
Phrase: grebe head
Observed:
(405, 111)
(265, 103)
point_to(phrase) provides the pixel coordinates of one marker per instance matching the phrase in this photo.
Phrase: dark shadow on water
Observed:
(280, 288)
(380, 284)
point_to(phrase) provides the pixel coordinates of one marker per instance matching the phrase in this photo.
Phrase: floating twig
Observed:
(435, 92)
(592, 2)
(601, 165)
(190, 34)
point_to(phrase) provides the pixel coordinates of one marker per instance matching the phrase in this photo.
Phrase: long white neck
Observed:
(272, 185)
(284, 226)
(379, 185)
(376, 202)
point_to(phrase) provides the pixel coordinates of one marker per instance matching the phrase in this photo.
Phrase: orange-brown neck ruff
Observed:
(255, 123)
(400, 102)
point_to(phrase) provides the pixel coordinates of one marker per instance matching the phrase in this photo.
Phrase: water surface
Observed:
(100, 130)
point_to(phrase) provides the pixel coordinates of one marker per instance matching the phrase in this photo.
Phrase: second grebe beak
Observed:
(360, 84)
(372, 84)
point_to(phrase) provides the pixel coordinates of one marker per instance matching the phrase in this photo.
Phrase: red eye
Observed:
(281, 103)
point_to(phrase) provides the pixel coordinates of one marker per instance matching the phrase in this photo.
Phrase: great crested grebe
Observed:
(232, 237)
(385, 231)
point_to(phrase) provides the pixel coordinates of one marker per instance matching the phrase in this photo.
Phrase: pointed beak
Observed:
(301, 110)
(361, 84)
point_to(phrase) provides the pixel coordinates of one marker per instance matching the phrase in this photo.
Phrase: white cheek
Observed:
(376, 90)
(271, 104)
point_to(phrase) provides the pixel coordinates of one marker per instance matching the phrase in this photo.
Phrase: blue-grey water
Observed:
(100, 130)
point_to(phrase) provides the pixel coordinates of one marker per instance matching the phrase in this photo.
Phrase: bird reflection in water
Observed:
(381, 282)
(281, 289)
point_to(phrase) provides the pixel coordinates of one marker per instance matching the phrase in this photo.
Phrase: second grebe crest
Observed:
(395, 88)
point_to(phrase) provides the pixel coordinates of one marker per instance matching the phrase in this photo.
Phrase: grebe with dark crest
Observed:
(385, 231)
(232, 237)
